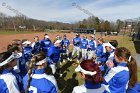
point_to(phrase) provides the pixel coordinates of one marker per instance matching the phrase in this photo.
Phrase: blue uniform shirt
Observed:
(10, 82)
(27, 53)
(91, 43)
(99, 50)
(76, 41)
(89, 87)
(65, 42)
(45, 44)
(41, 82)
(22, 66)
(53, 54)
(135, 89)
(36, 47)
(84, 43)
(117, 79)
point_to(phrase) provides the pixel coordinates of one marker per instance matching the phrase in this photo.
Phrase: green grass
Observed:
(71, 79)
(14, 32)
(124, 41)
(27, 32)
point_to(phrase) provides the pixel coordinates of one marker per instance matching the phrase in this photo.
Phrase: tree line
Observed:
(19, 23)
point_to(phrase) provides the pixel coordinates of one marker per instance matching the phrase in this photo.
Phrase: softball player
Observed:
(45, 43)
(92, 75)
(122, 76)
(27, 50)
(54, 56)
(36, 45)
(91, 47)
(100, 50)
(65, 47)
(20, 68)
(76, 42)
(83, 46)
(10, 82)
(109, 55)
(37, 81)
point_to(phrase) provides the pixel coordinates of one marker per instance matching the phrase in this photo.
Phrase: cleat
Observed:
(60, 75)
(64, 61)
(68, 59)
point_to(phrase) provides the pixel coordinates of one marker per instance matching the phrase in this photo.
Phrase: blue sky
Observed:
(64, 11)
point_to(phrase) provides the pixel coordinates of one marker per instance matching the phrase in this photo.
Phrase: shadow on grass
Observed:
(75, 55)
(66, 66)
(70, 84)
(61, 82)
(137, 46)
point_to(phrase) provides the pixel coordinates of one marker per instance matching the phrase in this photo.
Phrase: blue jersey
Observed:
(41, 82)
(92, 45)
(89, 87)
(45, 44)
(65, 42)
(117, 79)
(22, 66)
(135, 89)
(36, 47)
(99, 50)
(83, 44)
(27, 53)
(10, 82)
(76, 41)
(53, 54)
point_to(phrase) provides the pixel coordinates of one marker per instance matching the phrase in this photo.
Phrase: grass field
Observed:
(69, 78)
(14, 32)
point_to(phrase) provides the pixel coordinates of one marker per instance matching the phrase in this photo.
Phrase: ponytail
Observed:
(132, 66)
(97, 78)
(124, 53)
(90, 65)
(35, 58)
(31, 65)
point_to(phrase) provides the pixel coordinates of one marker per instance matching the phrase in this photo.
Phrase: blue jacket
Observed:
(45, 44)
(91, 44)
(40, 82)
(106, 57)
(22, 66)
(53, 54)
(10, 82)
(36, 47)
(135, 89)
(99, 50)
(89, 87)
(84, 43)
(76, 41)
(117, 79)
(27, 53)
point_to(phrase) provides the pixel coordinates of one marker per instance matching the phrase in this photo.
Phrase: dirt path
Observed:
(7, 39)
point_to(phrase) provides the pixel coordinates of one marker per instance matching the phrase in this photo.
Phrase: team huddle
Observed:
(105, 67)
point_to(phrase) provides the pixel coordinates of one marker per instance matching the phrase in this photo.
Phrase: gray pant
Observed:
(76, 50)
(91, 54)
(84, 54)
(55, 66)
